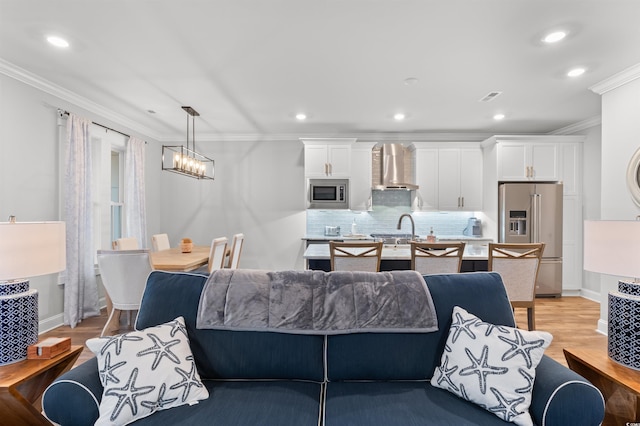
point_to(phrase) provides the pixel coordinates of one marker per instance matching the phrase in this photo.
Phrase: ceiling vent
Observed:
(490, 96)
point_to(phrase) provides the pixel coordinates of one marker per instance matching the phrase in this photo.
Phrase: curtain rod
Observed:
(63, 112)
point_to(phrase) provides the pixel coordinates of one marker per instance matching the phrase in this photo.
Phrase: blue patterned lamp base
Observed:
(18, 320)
(624, 325)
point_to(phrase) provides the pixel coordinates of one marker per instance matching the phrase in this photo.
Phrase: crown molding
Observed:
(361, 137)
(616, 80)
(33, 80)
(579, 126)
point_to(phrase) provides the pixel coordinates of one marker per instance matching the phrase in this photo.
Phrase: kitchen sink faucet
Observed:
(413, 225)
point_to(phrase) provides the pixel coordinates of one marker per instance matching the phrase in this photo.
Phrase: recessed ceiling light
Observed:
(498, 117)
(410, 81)
(554, 37)
(399, 116)
(301, 116)
(58, 41)
(576, 72)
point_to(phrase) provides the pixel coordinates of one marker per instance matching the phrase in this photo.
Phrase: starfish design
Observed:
(127, 395)
(160, 349)
(118, 341)
(520, 346)
(177, 326)
(460, 325)
(106, 373)
(481, 367)
(161, 402)
(445, 374)
(491, 327)
(507, 407)
(529, 378)
(189, 379)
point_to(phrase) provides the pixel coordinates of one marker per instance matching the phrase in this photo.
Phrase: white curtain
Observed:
(80, 290)
(134, 202)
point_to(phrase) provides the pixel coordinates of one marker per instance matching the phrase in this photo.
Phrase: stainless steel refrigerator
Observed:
(531, 213)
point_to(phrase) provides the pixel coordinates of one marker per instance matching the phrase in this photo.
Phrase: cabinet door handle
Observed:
(462, 205)
(326, 169)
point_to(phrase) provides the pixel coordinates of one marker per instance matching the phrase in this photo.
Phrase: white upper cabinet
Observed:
(327, 158)
(523, 161)
(460, 179)
(361, 181)
(425, 170)
(449, 177)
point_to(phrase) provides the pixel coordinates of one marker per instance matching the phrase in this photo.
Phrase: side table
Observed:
(619, 385)
(22, 385)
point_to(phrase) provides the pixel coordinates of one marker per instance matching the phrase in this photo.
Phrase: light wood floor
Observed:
(571, 320)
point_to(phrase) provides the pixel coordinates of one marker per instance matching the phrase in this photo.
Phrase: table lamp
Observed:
(27, 249)
(613, 247)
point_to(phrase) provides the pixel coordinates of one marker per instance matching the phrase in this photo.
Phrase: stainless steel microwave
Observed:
(328, 193)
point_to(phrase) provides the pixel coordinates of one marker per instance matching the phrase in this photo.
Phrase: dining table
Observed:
(173, 259)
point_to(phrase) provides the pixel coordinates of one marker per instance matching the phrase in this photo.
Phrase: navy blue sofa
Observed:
(267, 378)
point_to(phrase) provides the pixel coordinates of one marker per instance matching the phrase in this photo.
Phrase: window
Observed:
(117, 201)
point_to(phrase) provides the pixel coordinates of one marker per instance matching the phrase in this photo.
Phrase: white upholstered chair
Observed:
(217, 254)
(355, 256)
(160, 242)
(129, 243)
(436, 258)
(236, 251)
(518, 265)
(124, 275)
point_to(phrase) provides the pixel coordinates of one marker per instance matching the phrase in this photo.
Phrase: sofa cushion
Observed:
(492, 366)
(400, 404)
(146, 371)
(282, 403)
(414, 356)
(222, 354)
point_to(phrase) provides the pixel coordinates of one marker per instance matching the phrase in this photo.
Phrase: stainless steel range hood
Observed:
(392, 168)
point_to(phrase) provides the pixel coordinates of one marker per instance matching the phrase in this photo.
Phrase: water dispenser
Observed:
(517, 222)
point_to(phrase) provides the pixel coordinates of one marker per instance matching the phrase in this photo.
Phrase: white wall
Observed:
(257, 191)
(620, 139)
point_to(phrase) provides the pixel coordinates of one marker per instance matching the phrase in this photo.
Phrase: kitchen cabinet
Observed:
(425, 170)
(327, 158)
(522, 161)
(361, 180)
(460, 179)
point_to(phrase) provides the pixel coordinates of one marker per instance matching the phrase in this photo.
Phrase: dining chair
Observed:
(217, 254)
(129, 243)
(160, 242)
(236, 251)
(518, 265)
(124, 275)
(437, 258)
(355, 256)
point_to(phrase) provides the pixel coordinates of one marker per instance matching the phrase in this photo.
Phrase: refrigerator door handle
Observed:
(535, 201)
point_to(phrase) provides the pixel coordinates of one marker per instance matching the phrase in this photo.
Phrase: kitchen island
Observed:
(395, 257)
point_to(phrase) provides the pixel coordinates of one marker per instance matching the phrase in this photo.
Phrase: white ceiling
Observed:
(247, 66)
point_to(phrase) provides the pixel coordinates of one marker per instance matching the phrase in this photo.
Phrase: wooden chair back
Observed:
(160, 242)
(128, 243)
(217, 253)
(437, 258)
(518, 265)
(355, 256)
(236, 251)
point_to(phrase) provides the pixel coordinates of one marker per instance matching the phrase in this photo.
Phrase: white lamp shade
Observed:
(29, 249)
(612, 247)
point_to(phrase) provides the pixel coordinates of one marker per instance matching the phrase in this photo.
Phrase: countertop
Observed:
(465, 238)
(472, 251)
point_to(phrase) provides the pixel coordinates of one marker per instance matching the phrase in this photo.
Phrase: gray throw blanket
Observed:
(316, 302)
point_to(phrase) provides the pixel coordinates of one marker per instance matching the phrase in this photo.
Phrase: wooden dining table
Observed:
(174, 260)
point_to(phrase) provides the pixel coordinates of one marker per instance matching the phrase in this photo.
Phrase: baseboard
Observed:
(590, 294)
(603, 327)
(56, 321)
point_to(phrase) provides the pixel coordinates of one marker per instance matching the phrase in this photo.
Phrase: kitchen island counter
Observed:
(399, 257)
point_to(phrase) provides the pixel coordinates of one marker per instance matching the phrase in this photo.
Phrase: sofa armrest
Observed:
(74, 398)
(562, 397)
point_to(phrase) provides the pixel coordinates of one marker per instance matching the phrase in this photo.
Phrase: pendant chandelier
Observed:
(185, 160)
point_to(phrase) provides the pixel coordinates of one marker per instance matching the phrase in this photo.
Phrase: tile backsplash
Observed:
(387, 208)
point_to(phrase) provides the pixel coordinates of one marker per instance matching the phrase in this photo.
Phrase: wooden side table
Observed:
(22, 385)
(619, 385)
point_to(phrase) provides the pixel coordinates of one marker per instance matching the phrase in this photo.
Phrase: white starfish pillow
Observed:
(490, 365)
(146, 371)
